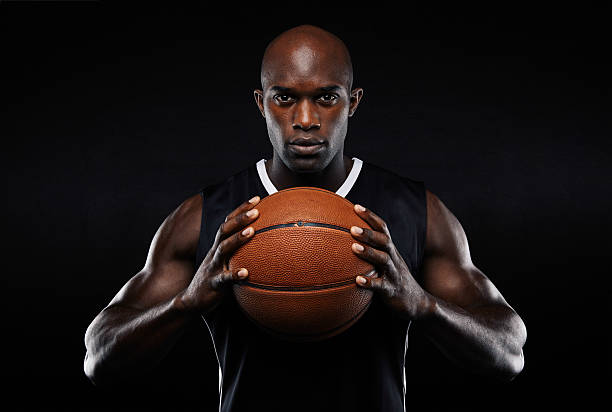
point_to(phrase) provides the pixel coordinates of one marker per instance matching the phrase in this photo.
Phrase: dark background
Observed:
(113, 115)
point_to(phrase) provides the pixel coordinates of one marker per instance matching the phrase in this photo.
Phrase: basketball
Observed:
(302, 269)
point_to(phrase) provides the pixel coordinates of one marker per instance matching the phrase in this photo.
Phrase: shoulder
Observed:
(436, 210)
(169, 262)
(179, 233)
(445, 235)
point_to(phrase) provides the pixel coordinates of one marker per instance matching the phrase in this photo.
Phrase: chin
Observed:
(304, 168)
(305, 164)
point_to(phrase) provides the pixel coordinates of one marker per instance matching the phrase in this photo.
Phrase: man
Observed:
(424, 272)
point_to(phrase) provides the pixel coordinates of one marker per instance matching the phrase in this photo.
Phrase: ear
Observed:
(356, 96)
(258, 94)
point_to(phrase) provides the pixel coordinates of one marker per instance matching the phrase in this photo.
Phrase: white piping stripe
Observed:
(351, 178)
(263, 176)
(342, 191)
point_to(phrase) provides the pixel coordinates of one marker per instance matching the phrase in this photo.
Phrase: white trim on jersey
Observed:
(342, 191)
(263, 176)
(351, 178)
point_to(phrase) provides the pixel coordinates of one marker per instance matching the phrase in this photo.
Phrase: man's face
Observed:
(306, 97)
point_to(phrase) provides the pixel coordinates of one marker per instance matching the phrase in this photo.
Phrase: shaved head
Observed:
(307, 99)
(301, 50)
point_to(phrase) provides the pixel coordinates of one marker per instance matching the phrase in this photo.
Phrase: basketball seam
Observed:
(332, 285)
(302, 224)
(298, 288)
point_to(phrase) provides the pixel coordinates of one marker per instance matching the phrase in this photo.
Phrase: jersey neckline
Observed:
(343, 190)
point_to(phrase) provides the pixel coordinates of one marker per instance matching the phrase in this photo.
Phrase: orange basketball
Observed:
(302, 269)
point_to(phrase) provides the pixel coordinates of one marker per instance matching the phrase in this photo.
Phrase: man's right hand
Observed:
(211, 280)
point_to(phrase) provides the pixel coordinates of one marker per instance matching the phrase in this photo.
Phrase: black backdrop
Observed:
(113, 115)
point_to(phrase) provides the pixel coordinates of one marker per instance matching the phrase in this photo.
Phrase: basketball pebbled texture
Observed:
(302, 269)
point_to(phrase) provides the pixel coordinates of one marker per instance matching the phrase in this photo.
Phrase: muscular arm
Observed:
(468, 318)
(146, 317)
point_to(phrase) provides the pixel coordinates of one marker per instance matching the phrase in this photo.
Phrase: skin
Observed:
(461, 311)
(306, 77)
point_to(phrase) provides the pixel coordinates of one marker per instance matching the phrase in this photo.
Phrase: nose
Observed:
(305, 115)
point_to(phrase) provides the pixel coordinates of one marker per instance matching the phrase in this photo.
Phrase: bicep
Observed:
(170, 263)
(448, 271)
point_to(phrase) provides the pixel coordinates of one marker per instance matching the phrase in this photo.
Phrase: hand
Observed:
(210, 281)
(395, 284)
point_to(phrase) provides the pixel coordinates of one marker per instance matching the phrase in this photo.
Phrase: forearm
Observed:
(123, 341)
(486, 340)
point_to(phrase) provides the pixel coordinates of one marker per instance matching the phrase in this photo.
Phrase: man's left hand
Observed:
(395, 284)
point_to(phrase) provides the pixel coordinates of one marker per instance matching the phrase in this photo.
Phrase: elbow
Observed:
(91, 363)
(92, 369)
(515, 367)
(510, 361)
(89, 368)
(515, 361)
(97, 365)
(510, 368)
(95, 371)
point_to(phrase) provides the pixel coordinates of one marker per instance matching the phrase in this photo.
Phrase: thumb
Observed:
(228, 276)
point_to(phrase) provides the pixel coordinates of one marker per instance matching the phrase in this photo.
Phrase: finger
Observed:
(228, 276)
(374, 238)
(363, 278)
(249, 204)
(375, 221)
(242, 216)
(379, 284)
(378, 258)
(228, 246)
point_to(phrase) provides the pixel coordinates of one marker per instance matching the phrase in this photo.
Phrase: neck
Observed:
(330, 178)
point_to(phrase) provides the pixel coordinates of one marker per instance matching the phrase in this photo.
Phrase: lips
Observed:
(306, 142)
(306, 149)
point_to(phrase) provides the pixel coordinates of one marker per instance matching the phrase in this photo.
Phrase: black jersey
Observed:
(361, 369)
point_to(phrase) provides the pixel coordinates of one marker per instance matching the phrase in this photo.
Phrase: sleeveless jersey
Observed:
(361, 369)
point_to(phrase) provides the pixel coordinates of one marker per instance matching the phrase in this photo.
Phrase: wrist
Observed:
(181, 304)
(428, 307)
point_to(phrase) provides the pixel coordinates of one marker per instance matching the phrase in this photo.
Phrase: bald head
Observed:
(303, 50)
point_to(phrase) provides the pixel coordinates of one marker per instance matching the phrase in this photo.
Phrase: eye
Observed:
(283, 98)
(328, 98)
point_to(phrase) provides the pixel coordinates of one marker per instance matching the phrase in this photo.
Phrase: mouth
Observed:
(306, 148)
(301, 141)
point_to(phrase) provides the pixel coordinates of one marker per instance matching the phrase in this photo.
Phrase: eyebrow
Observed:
(331, 88)
(280, 89)
(327, 89)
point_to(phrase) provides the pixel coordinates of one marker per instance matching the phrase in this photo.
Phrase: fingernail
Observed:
(254, 199)
(247, 231)
(361, 280)
(359, 208)
(357, 230)
(358, 247)
(242, 273)
(252, 212)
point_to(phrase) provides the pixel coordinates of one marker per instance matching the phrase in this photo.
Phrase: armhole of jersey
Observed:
(424, 234)
(199, 256)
